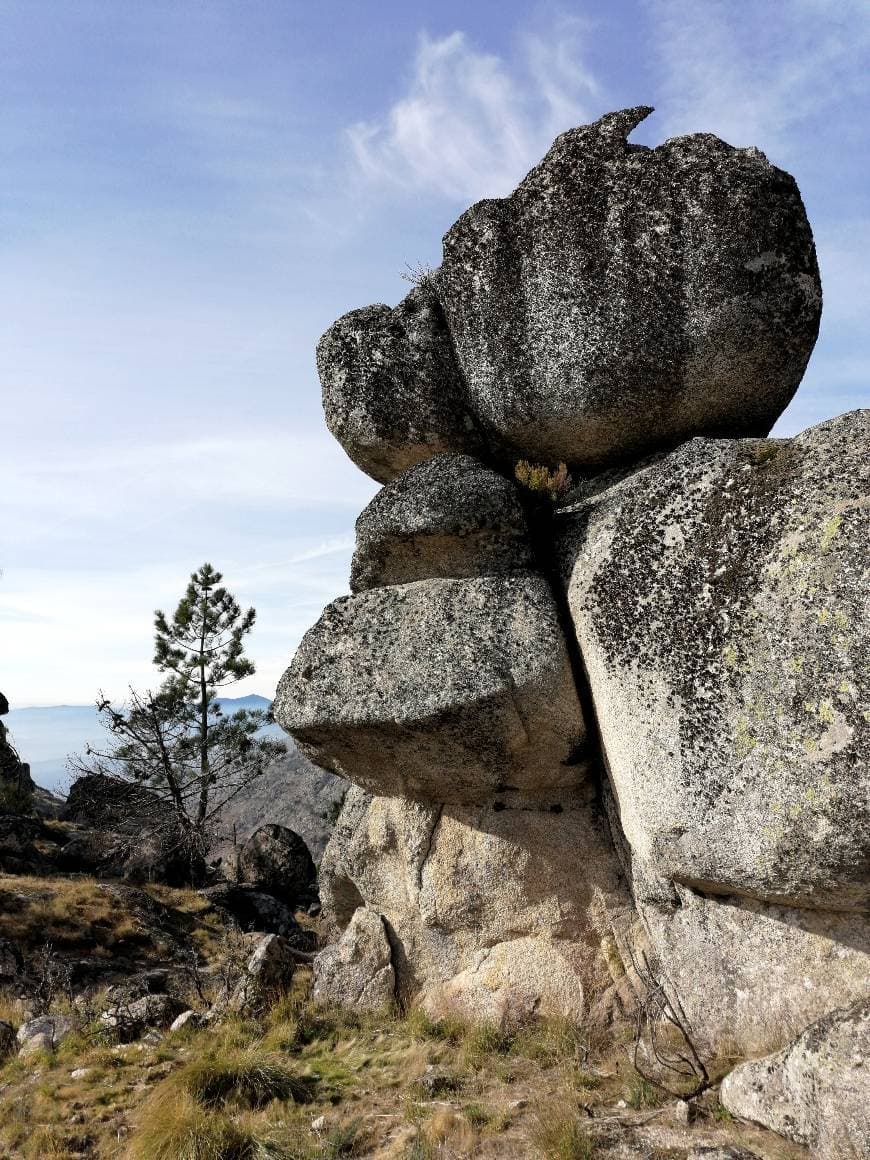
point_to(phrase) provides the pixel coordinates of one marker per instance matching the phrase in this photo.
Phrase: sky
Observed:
(192, 192)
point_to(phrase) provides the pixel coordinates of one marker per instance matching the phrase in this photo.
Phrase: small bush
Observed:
(560, 1134)
(537, 477)
(177, 1127)
(247, 1078)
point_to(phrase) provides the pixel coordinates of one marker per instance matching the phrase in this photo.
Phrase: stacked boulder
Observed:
(630, 723)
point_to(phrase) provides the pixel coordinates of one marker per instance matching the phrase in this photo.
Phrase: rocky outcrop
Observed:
(719, 600)
(127, 831)
(16, 784)
(441, 690)
(448, 518)
(815, 1092)
(485, 909)
(625, 298)
(612, 743)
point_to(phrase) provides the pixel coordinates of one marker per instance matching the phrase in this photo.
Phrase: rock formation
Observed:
(622, 736)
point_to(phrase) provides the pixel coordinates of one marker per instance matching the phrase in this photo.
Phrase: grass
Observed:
(248, 1078)
(559, 1132)
(252, 1088)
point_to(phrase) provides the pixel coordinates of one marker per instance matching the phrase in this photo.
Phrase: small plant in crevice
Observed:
(420, 275)
(537, 477)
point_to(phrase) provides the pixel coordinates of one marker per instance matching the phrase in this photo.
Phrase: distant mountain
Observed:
(292, 792)
(45, 736)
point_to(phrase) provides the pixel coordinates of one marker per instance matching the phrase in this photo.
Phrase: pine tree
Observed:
(177, 742)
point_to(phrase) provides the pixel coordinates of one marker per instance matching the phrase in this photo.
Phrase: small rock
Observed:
(188, 1019)
(80, 1073)
(44, 1033)
(682, 1112)
(621, 1104)
(435, 1081)
(319, 1124)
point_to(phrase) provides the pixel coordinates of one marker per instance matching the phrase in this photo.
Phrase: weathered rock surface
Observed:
(128, 1021)
(442, 690)
(751, 972)
(720, 602)
(269, 970)
(357, 970)
(625, 298)
(276, 859)
(493, 913)
(44, 1033)
(815, 1092)
(448, 517)
(392, 392)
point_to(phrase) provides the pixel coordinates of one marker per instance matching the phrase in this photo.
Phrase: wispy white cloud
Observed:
(754, 76)
(471, 123)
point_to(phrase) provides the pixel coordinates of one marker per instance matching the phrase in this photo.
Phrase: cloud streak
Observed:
(470, 124)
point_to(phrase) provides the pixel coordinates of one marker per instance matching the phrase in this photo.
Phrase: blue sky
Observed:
(193, 191)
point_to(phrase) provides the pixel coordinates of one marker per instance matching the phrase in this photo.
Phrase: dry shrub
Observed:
(537, 477)
(248, 1078)
(559, 1132)
(177, 1127)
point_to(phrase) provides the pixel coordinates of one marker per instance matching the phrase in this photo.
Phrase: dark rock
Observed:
(276, 860)
(392, 393)
(128, 832)
(255, 910)
(449, 517)
(7, 1039)
(625, 298)
(18, 851)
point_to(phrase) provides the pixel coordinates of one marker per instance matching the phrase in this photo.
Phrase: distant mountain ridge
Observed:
(292, 792)
(46, 735)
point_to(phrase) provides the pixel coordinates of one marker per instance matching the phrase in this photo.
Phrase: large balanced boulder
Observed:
(448, 517)
(276, 859)
(816, 1091)
(392, 392)
(442, 690)
(625, 298)
(719, 596)
(494, 914)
